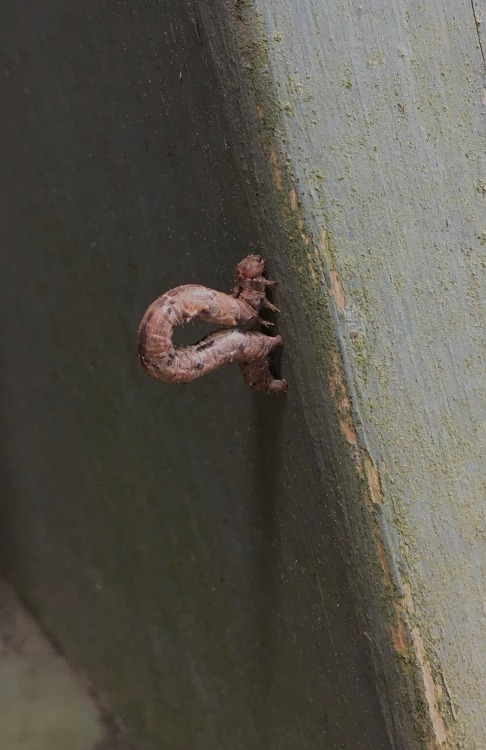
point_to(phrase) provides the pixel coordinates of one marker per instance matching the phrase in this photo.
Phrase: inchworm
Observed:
(250, 348)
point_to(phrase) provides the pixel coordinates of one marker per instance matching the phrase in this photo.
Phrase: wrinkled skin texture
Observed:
(240, 311)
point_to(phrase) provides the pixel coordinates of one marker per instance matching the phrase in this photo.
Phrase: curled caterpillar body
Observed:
(250, 348)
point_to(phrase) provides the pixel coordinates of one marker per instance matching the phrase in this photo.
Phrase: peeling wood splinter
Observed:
(250, 348)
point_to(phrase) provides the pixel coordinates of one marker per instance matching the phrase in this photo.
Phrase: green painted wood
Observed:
(375, 112)
(189, 548)
(208, 556)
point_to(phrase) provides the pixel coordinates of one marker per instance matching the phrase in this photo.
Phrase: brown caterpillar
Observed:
(250, 348)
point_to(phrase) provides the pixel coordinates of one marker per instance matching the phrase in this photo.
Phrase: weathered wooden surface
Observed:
(184, 546)
(209, 556)
(373, 115)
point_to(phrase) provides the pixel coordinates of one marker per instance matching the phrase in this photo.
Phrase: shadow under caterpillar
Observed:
(240, 310)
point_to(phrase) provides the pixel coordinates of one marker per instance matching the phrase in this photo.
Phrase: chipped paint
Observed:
(324, 250)
(338, 388)
(433, 692)
(294, 200)
(337, 291)
(277, 172)
(374, 480)
(401, 636)
(383, 557)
